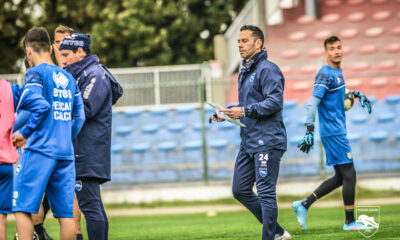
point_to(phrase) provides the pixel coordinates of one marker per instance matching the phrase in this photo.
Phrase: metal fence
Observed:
(161, 85)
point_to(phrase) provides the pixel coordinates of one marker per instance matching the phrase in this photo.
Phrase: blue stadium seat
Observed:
(220, 173)
(133, 117)
(356, 144)
(393, 102)
(116, 154)
(166, 153)
(148, 133)
(229, 131)
(158, 116)
(140, 153)
(177, 132)
(385, 121)
(122, 134)
(217, 151)
(192, 151)
(186, 114)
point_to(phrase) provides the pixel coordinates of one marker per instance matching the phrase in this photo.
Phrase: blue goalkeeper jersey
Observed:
(329, 86)
(54, 136)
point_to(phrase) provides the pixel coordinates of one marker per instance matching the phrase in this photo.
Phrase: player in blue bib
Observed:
(328, 96)
(47, 164)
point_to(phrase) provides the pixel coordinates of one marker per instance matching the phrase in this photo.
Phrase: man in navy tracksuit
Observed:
(93, 144)
(263, 143)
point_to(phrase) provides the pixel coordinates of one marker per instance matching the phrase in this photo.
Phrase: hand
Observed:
(307, 143)
(18, 140)
(234, 113)
(215, 118)
(363, 101)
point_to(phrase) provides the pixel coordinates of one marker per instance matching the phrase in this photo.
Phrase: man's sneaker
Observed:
(46, 235)
(35, 236)
(301, 213)
(355, 226)
(284, 236)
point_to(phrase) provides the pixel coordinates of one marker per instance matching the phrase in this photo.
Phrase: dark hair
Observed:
(27, 64)
(256, 32)
(38, 39)
(331, 40)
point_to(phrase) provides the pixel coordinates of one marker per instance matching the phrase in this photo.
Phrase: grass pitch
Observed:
(323, 223)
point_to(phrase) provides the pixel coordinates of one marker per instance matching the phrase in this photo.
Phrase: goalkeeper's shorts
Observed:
(337, 150)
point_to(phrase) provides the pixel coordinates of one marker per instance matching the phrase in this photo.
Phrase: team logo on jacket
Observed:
(252, 77)
(78, 185)
(60, 79)
(263, 172)
(261, 142)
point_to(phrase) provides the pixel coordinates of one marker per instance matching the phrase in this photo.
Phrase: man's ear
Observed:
(259, 43)
(81, 53)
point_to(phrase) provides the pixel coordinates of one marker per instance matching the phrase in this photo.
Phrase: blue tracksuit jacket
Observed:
(261, 85)
(93, 144)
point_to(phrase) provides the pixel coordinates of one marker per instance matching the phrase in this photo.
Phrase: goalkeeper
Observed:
(328, 96)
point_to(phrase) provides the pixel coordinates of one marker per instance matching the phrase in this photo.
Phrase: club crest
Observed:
(370, 217)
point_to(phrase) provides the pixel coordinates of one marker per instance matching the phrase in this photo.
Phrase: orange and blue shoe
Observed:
(301, 213)
(355, 226)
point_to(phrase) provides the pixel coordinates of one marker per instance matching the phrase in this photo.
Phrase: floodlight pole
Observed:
(202, 89)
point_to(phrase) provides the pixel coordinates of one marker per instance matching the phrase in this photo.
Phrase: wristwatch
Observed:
(242, 114)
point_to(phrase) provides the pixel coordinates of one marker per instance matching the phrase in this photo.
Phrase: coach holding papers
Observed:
(93, 144)
(263, 143)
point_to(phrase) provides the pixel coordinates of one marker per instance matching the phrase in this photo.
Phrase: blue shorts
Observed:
(337, 150)
(6, 183)
(37, 173)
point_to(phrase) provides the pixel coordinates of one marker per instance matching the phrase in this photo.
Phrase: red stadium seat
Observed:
(374, 32)
(354, 83)
(396, 30)
(286, 69)
(302, 85)
(379, 82)
(316, 52)
(381, 15)
(290, 53)
(378, 1)
(360, 66)
(349, 33)
(387, 65)
(347, 50)
(332, 3)
(322, 35)
(298, 36)
(308, 69)
(392, 48)
(355, 2)
(305, 20)
(331, 18)
(368, 49)
(356, 17)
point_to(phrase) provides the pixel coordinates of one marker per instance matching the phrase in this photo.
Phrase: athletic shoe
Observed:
(46, 235)
(355, 226)
(285, 236)
(301, 213)
(35, 236)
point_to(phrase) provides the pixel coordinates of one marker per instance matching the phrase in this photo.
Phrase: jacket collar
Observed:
(253, 61)
(76, 69)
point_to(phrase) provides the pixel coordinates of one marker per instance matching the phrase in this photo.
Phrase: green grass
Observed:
(323, 223)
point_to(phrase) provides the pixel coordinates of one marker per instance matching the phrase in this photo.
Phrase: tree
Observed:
(144, 33)
(14, 23)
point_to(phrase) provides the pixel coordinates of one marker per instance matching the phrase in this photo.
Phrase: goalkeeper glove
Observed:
(363, 100)
(307, 143)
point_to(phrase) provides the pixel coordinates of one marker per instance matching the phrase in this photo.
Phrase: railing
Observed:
(148, 86)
